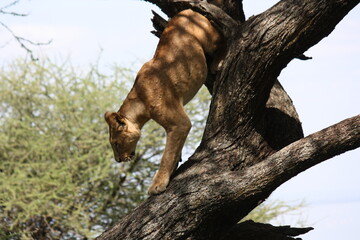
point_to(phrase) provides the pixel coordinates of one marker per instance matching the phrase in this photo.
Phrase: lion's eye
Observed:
(120, 122)
(115, 144)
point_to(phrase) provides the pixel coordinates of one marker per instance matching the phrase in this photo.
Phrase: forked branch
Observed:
(224, 198)
(238, 165)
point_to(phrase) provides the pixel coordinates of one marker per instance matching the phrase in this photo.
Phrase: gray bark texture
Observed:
(253, 141)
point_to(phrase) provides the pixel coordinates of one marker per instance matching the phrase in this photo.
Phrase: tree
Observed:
(253, 141)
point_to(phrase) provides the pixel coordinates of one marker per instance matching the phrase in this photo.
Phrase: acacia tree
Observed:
(253, 140)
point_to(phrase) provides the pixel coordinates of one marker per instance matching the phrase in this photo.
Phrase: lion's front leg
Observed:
(175, 138)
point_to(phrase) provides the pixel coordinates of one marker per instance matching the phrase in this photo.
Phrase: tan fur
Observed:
(163, 85)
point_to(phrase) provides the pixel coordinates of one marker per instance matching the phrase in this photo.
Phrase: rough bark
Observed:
(253, 139)
(205, 199)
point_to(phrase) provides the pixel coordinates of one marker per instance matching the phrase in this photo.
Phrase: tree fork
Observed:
(242, 157)
(204, 200)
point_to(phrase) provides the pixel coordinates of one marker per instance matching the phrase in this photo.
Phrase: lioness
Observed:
(163, 85)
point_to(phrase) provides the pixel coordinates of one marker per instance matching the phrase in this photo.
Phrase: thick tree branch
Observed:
(313, 149)
(233, 8)
(303, 154)
(220, 19)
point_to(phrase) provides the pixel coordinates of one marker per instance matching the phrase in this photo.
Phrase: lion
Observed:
(161, 89)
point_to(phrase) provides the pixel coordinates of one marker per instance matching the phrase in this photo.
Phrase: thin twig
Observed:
(10, 5)
(14, 13)
(22, 41)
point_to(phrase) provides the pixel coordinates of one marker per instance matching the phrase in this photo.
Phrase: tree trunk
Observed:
(253, 141)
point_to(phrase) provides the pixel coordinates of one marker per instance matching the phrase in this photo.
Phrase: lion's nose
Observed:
(117, 157)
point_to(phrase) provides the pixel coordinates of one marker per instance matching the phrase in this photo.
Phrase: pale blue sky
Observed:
(325, 90)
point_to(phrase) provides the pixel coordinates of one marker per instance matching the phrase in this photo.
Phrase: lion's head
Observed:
(124, 136)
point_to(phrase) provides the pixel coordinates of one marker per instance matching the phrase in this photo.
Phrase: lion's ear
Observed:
(108, 117)
(115, 120)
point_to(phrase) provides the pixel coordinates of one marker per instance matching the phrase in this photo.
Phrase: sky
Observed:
(325, 90)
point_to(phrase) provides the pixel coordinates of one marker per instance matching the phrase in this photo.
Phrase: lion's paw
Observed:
(159, 185)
